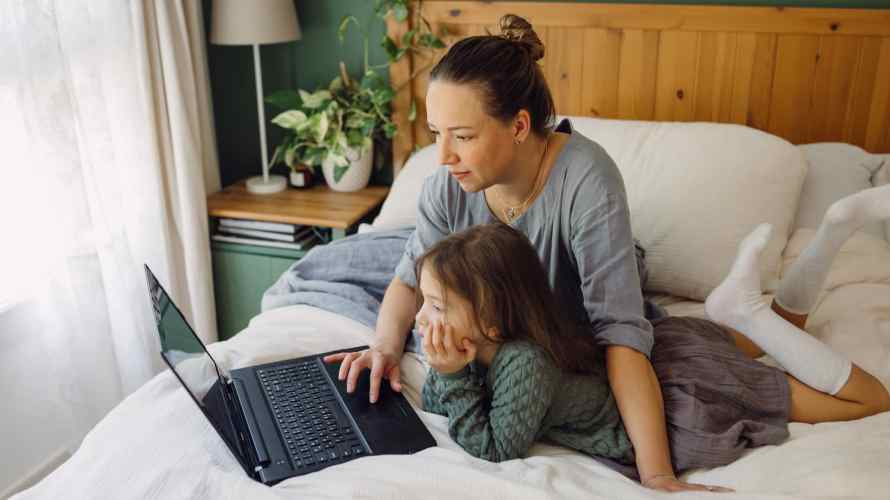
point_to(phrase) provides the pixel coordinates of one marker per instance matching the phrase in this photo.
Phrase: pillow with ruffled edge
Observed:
(836, 171)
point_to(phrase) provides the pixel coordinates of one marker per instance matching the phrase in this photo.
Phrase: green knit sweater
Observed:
(524, 397)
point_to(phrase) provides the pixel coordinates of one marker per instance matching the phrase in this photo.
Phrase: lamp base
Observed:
(257, 185)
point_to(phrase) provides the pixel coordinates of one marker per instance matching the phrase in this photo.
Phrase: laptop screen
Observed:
(191, 363)
(180, 347)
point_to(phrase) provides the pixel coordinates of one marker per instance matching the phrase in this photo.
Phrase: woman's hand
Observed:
(669, 483)
(381, 362)
(442, 352)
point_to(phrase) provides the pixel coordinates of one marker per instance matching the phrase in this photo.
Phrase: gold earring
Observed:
(517, 142)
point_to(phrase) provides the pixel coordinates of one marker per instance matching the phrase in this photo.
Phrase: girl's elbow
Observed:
(500, 455)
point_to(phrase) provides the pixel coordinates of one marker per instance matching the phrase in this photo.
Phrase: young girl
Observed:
(506, 371)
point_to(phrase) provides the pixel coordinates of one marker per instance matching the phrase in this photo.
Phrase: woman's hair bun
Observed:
(520, 31)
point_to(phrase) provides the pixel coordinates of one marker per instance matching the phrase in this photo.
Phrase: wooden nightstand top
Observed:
(316, 206)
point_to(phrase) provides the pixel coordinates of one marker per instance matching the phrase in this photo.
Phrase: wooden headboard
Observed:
(804, 74)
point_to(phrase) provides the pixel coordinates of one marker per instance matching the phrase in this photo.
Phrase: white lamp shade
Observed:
(254, 22)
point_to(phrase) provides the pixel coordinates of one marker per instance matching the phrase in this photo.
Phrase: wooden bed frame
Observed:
(804, 74)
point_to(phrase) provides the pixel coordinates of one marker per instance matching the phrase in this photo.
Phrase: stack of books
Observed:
(269, 234)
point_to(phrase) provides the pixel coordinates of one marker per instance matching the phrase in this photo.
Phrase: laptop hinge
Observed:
(255, 455)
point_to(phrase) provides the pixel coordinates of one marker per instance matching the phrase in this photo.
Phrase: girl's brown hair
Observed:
(505, 68)
(496, 269)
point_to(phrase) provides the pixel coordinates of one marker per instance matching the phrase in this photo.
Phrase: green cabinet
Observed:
(241, 273)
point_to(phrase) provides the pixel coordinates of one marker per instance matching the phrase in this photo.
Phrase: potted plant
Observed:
(335, 128)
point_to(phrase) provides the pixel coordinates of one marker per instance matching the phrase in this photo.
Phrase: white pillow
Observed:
(695, 190)
(836, 170)
(400, 207)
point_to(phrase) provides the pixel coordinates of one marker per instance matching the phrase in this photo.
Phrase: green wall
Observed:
(308, 63)
(312, 62)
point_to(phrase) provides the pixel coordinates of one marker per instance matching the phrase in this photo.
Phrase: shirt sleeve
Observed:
(432, 226)
(502, 422)
(603, 247)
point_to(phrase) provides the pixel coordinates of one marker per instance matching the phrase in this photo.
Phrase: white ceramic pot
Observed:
(358, 174)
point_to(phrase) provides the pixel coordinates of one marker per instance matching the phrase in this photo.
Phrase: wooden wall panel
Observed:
(716, 76)
(676, 75)
(864, 84)
(400, 71)
(419, 85)
(563, 67)
(792, 86)
(877, 135)
(808, 75)
(762, 81)
(637, 74)
(601, 64)
(832, 84)
(743, 77)
(800, 20)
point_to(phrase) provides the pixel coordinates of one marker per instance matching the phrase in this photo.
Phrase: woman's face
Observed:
(476, 148)
(440, 305)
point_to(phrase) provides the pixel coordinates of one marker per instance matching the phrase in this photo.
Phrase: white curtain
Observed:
(107, 157)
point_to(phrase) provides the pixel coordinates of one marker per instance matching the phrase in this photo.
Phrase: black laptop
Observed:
(286, 418)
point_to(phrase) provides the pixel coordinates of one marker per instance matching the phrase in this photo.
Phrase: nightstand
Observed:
(241, 273)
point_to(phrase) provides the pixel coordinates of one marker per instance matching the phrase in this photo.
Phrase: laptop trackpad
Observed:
(387, 424)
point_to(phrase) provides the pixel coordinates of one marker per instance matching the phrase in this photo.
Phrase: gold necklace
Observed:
(510, 213)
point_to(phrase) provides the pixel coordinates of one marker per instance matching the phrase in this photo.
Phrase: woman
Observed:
(491, 112)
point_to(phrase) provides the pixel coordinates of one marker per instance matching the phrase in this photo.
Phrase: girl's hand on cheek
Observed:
(443, 353)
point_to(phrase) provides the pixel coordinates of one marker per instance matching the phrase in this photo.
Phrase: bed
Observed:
(746, 170)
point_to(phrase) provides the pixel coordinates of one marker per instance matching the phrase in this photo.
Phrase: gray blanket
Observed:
(346, 277)
(350, 276)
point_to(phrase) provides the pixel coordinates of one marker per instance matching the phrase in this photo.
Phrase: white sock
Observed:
(802, 283)
(738, 303)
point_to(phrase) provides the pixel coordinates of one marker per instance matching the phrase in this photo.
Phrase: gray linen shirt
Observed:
(580, 227)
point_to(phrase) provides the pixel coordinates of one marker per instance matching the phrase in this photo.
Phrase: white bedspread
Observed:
(156, 444)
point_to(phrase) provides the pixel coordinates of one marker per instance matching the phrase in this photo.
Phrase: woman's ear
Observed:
(522, 126)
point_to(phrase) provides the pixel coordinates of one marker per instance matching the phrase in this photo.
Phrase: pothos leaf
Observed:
(290, 119)
(339, 172)
(335, 85)
(408, 37)
(314, 100)
(400, 11)
(290, 156)
(322, 129)
(430, 40)
(389, 46)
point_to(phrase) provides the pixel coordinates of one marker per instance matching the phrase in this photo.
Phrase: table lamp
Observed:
(255, 22)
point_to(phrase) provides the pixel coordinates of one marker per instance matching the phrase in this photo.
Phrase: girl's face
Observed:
(440, 305)
(476, 148)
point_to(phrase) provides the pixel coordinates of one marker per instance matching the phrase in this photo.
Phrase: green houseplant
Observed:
(335, 128)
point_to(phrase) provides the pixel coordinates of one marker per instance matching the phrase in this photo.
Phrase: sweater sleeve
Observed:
(500, 422)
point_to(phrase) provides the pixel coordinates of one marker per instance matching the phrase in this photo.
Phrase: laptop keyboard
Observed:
(311, 421)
